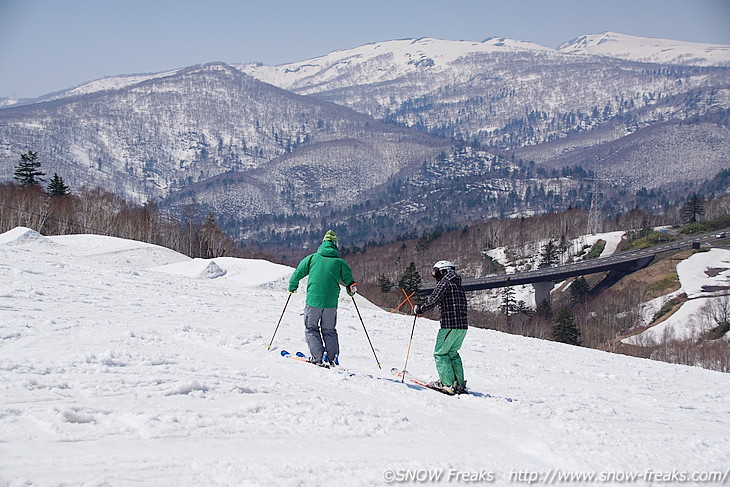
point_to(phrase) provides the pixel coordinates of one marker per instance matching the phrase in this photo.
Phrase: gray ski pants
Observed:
(319, 326)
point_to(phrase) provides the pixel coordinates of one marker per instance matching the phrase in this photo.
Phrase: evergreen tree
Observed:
(411, 279)
(509, 304)
(565, 329)
(564, 244)
(385, 283)
(544, 309)
(549, 255)
(28, 172)
(522, 308)
(578, 289)
(693, 208)
(57, 187)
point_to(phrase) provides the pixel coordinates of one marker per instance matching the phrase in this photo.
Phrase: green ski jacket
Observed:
(325, 269)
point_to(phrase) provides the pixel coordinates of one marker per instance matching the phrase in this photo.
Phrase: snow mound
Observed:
(245, 272)
(205, 268)
(191, 386)
(120, 252)
(22, 236)
(212, 270)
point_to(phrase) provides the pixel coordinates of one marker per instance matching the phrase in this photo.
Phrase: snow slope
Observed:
(135, 367)
(649, 50)
(105, 84)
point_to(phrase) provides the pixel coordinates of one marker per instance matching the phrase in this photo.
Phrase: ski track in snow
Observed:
(123, 363)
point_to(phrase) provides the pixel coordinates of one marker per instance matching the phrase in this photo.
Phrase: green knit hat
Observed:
(330, 235)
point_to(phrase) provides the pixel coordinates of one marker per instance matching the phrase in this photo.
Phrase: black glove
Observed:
(416, 310)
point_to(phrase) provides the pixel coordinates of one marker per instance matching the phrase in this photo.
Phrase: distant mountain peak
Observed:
(383, 61)
(648, 49)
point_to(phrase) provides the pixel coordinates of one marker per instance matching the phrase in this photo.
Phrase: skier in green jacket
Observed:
(326, 270)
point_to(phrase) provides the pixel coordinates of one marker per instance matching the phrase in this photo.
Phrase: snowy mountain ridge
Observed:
(150, 136)
(134, 365)
(108, 83)
(380, 61)
(649, 50)
(398, 57)
(505, 93)
(384, 61)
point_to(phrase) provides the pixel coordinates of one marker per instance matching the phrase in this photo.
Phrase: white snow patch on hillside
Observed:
(698, 275)
(122, 375)
(105, 84)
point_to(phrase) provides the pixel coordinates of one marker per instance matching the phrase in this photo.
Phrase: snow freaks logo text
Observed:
(552, 477)
(402, 475)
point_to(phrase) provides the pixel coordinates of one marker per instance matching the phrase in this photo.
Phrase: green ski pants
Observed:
(446, 353)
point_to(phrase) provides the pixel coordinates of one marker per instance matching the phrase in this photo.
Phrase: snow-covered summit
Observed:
(647, 49)
(383, 61)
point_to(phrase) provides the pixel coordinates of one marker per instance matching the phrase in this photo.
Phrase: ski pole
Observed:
(279, 323)
(408, 354)
(366, 332)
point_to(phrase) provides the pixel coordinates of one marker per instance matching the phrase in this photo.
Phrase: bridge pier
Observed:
(542, 291)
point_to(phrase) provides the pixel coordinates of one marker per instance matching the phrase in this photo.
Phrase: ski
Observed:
(303, 358)
(400, 373)
(299, 356)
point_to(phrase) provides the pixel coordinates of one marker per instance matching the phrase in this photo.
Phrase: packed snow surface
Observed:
(123, 363)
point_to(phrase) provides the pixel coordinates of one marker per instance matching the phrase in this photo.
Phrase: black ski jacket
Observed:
(449, 296)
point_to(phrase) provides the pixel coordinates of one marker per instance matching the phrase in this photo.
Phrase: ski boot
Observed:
(438, 385)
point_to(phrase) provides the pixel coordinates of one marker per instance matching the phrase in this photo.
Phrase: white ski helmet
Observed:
(444, 264)
(441, 268)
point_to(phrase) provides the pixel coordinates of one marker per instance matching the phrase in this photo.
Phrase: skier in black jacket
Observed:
(449, 296)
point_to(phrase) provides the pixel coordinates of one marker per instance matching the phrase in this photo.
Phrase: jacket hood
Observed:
(328, 249)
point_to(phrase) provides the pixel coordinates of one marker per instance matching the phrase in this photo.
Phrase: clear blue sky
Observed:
(49, 45)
